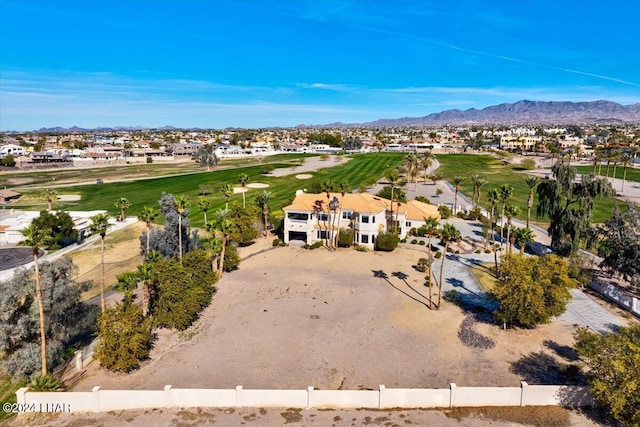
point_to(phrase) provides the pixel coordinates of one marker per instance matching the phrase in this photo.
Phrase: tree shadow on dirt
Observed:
(542, 368)
(384, 276)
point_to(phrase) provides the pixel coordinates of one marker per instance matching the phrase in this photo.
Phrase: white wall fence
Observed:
(617, 295)
(99, 400)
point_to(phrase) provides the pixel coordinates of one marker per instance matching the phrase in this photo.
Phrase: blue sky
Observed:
(217, 63)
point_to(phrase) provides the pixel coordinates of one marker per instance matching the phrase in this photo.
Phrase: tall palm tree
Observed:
(626, 161)
(180, 203)
(411, 162)
(144, 274)
(432, 226)
(99, 225)
(393, 177)
(478, 182)
(262, 201)
(597, 158)
(506, 191)
(205, 204)
(50, 195)
(426, 160)
(456, 183)
(227, 191)
(448, 234)
(532, 182)
(147, 215)
(522, 236)
(37, 237)
(243, 178)
(224, 225)
(494, 198)
(123, 204)
(510, 211)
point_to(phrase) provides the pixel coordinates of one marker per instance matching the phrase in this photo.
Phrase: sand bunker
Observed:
(69, 197)
(237, 190)
(257, 185)
(304, 176)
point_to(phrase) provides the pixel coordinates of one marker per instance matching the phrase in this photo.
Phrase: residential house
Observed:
(313, 217)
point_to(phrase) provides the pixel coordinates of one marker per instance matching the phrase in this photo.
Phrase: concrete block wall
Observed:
(99, 400)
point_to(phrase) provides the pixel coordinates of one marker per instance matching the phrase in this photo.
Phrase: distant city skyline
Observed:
(216, 64)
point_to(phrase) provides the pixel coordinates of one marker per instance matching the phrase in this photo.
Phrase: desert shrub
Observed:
(183, 291)
(438, 255)
(398, 194)
(403, 240)
(387, 241)
(487, 251)
(276, 242)
(361, 248)
(231, 258)
(421, 242)
(461, 214)
(45, 383)
(528, 164)
(423, 199)
(124, 338)
(475, 213)
(439, 192)
(149, 159)
(414, 241)
(316, 245)
(477, 251)
(422, 265)
(445, 211)
(345, 237)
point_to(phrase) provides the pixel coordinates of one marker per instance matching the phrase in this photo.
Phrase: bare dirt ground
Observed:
(463, 417)
(327, 321)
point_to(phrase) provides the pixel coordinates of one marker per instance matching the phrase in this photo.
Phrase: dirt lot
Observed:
(326, 320)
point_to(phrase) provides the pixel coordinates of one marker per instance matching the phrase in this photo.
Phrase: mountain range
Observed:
(526, 112)
(543, 112)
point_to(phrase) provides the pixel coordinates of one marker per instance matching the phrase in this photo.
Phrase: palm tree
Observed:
(263, 203)
(205, 204)
(213, 247)
(522, 236)
(506, 191)
(448, 234)
(393, 177)
(147, 215)
(144, 274)
(99, 225)
(37, 237)
(494, 198)
(50, 195)
(411, 162)
(626, 161)
(532, 182)
(510, 211)
(597, 158)
(180, 203)
(432, 226)
(122, 204)
(456, 183)
(243, 178)
(227, 191)
(478, 182)
(426, 160)
(224, 225)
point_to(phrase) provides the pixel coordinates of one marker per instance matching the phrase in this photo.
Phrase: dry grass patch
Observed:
(121, 253)
(485, 276)
(539, 416)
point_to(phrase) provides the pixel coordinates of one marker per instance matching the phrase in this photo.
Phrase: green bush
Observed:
(387, 241)
(414, 241)
(421, 242)
(45, 383)
(422, 265)
(124, 338)
(403, 240)
(461, 214)
(345, 237)
(316, 245)
(439, 192)
(398, 194)
(361, 248)
(423, 199)
(276, 242)
(183, 291)
(445, 211)
(231, 258)
(475, 213)
(149, 160)
(438, 255)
